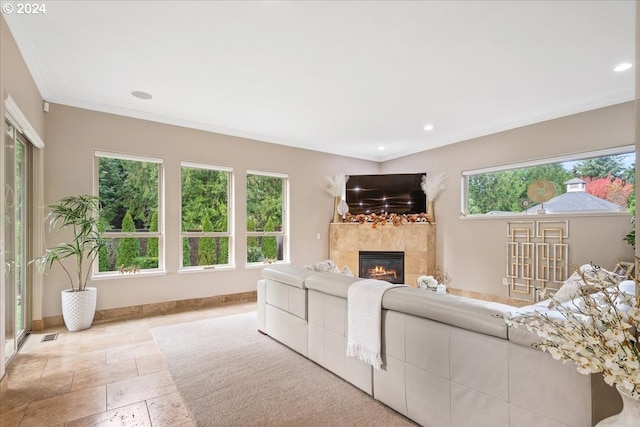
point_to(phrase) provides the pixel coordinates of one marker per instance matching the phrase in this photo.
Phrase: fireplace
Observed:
(417, 241)
(382, 265)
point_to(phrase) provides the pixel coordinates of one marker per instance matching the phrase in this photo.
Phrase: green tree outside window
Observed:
(207, 246)
(129, 247)
(269, 243)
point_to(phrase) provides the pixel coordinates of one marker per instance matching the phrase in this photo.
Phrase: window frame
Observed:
(578, 156)
(160, 234)
(231, 265)
(284, 233)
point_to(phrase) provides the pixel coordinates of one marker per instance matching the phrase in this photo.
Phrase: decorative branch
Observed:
(335, 185)
(432, 185)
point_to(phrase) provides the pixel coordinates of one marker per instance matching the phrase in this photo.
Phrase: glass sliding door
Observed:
(16, 232)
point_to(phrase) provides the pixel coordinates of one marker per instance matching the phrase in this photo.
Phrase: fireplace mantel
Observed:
(416, 240)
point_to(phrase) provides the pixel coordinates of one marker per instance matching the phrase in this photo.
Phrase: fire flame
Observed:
(380, 271)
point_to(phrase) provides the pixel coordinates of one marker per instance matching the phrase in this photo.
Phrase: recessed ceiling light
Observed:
(141, 95)
(428, 127)
(380, 148)
(623, 67)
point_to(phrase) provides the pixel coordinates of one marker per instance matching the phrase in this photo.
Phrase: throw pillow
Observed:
(326, 266)
(569, 290)
(346, 271)
(628, 287)
(574, 285)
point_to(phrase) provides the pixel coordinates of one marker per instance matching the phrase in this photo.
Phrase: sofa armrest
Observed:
(331, 283)
(287, 274)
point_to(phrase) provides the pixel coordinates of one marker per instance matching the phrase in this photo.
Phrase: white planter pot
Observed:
(78, 308)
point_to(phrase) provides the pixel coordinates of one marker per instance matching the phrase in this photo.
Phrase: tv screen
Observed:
(394, 193)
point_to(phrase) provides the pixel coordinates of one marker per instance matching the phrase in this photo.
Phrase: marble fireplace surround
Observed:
(416, 240)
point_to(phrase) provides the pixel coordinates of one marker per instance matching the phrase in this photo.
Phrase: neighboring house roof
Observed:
(574, 202)
(576, 181)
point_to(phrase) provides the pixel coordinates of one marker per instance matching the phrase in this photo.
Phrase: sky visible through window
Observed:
(628, 160)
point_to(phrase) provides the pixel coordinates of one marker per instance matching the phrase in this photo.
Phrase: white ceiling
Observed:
(341, 77)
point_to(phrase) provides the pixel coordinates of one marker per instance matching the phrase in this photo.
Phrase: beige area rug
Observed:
(229, 374)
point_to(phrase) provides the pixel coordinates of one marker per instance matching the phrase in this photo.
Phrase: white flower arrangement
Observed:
(427, 282)
(596, 331)
(432, 185)
(335, 185)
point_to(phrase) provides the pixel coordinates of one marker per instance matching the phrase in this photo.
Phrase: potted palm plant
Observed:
(79, 215)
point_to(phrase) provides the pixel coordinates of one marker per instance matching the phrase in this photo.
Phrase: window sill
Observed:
(542, 216)
(118, 275)
(210, 269)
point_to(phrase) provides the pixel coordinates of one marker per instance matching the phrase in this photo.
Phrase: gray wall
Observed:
(473, 251)
(15, 81)
(73, 134)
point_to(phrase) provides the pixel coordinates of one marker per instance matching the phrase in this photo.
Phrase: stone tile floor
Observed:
(112, 374)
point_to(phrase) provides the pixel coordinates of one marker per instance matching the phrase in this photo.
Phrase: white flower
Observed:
(554, 352)
(613, 337)
(633, 365)
(591, 340)
(427, 282)
(634, 313)
(586, 366)
(609, 379)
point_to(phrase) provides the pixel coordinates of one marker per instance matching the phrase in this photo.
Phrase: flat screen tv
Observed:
(393, 193)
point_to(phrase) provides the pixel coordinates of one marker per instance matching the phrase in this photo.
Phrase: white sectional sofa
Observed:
(448, 360)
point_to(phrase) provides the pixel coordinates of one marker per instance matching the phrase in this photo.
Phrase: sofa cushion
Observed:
(346, 271)
(474, 315)
(290, 299)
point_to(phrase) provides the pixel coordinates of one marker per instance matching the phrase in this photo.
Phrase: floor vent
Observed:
(49, 337)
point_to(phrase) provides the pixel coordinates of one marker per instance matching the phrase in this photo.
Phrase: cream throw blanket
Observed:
(364, 316)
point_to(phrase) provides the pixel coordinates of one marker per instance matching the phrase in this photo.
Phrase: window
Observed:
(602, 181)
(130, 191)
(206, 202)
(267, 220)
